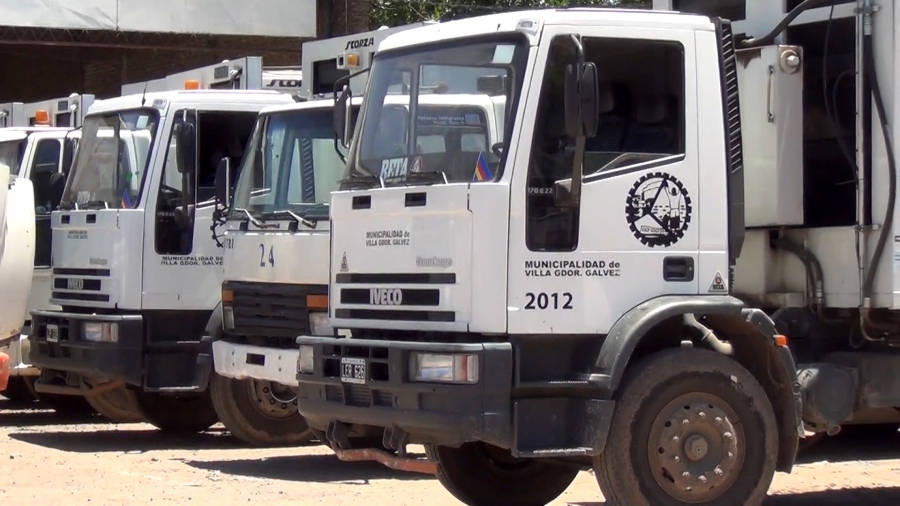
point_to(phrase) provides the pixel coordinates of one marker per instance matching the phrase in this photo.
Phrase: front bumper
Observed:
(18, 350)
(531, 418)
(102, 361)
(240, 361)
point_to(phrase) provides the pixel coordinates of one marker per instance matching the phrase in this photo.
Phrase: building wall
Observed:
(90, 63)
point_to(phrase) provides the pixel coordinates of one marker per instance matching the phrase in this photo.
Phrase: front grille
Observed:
(276, 312)
(77, 284)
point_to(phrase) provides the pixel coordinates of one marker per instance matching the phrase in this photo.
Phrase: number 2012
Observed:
(543, 300)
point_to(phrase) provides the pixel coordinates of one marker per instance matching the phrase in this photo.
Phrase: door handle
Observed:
(679, 269)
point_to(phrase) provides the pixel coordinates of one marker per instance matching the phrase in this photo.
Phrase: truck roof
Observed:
(242, 97)
(508, 21)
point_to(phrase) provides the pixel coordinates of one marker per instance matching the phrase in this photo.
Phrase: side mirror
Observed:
(342, 117)
(223, 182)
(185, 150)
(582, 113)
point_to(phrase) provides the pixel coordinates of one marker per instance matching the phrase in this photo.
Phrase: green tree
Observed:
(402, 12)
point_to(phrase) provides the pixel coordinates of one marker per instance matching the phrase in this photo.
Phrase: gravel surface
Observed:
(51, 459)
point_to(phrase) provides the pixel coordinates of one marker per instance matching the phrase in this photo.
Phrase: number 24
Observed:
(262, 255)
(543, 300)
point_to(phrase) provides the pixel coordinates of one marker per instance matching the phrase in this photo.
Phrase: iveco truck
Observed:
(135, 269)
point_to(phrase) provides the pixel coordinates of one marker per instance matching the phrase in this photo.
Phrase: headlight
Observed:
(97, 332)
(305, 362)
(440, 368)
(319, 324)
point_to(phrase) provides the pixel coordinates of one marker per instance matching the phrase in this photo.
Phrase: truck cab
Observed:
(135, 270)
(558, 301)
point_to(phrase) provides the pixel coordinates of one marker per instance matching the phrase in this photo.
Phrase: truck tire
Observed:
(118, 405)
(17, 390)
(179, 413)
(478, 474)
(259, 413)
(690, 426)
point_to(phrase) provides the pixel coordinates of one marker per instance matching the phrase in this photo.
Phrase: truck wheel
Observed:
(479, 474)
(17, 390)
(259, 413)
(176, 413)
(117, 405)
(690, 427)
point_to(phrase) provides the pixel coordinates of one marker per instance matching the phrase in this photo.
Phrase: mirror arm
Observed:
(577, 170)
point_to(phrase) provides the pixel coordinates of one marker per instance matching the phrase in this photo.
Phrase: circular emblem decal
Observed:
(658, 209)
(416, 164)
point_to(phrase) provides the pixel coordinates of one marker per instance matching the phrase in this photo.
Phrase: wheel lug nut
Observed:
(718, 420)
(702, 479)
(701, 414)
(677, 458)
(727, 435)
(685, 421)
(685, 474)
(730, 455)
(718, 471)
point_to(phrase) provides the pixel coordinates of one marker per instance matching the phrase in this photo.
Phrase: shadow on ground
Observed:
(315, 468)
(866, 497)
(874, 442)
(19, 414)
(94, 440)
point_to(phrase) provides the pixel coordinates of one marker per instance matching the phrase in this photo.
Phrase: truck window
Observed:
(44, 166)
(641, 120)
(11, 153)
(219, 135)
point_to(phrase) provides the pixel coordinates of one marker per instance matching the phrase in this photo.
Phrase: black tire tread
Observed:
(260, 432)
(118, 405)
(170, 414)
(640, 379)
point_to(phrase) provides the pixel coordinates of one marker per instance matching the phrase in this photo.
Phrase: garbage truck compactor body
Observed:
(657, 273)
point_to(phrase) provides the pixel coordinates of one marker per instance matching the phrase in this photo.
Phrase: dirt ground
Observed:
(48, 459)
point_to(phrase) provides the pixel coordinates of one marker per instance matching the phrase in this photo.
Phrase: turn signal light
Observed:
(41, 117)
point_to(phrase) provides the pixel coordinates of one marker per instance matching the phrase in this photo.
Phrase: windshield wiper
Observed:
(428, 176)
(296, 217)
(252, 219)
(360, 182)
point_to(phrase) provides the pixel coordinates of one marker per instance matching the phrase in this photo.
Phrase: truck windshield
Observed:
(103, 176)
(291, 166)
(463, 95)
(11, 153)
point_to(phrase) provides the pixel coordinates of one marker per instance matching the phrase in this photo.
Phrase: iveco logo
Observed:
(75, 284)
(385, 296)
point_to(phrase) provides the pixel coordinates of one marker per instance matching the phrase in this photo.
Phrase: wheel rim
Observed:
(696, 447)
(273, 400)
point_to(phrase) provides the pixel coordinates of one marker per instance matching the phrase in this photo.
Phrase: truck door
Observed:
(184, 265)
(45, 172)
(635, 230)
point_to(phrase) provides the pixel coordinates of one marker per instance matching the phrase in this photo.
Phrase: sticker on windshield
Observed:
(482, 169)
(416, 164)
(394, 167)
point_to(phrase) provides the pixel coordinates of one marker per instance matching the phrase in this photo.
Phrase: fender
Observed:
(213, 332)
(631, 327)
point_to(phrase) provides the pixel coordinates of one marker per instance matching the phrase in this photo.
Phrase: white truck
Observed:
(16, 259)
(135, 269)
(270, 293)
(38, 144)
(678, 265)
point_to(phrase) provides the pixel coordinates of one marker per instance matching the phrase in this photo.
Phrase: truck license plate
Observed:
(353, 370)
(52, 333)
